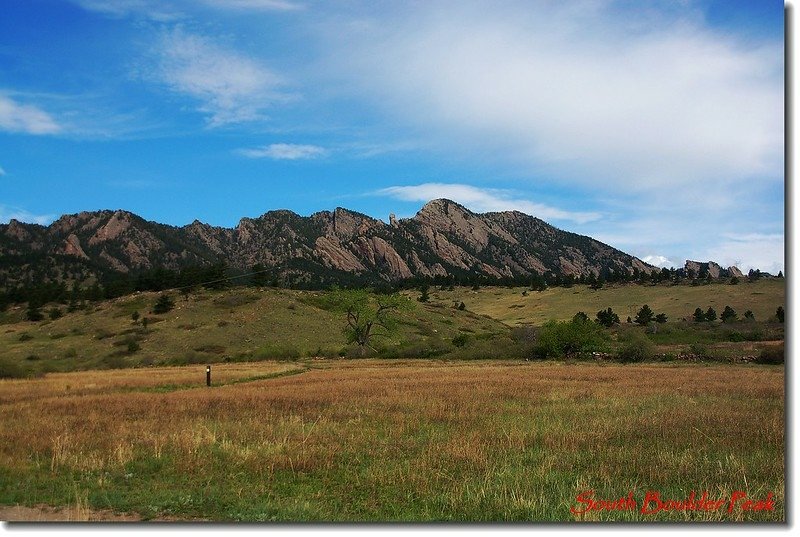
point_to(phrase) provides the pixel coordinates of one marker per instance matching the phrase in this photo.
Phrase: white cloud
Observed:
(8, 213)
(25, 118)
(161, 11)
(285, 152)
(483, 200)
(155, 10)
(231, 87)
(763, 251)
(659, 261)
(256, 5)
(2, 171)
(590, 95)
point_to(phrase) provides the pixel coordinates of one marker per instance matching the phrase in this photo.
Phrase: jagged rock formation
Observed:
(699, 269)
(443, 238)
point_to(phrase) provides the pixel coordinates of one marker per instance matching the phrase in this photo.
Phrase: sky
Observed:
(655, 127)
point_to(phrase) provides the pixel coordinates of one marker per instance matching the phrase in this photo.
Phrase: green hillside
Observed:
(762, 297)
(241, 324)
(250, 324)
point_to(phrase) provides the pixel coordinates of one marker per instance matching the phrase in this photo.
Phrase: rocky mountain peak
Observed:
(442, 207)
(16, 229)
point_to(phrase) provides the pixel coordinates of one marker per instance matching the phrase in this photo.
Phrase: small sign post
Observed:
(208, 375)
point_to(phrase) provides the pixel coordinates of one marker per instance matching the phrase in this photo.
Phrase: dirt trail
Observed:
(46, 513)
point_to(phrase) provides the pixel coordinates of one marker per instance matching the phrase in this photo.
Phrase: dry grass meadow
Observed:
(369, 440)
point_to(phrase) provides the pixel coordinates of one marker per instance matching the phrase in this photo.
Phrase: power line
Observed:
(228, 278)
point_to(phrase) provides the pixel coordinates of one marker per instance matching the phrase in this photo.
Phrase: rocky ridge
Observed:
(443, 238)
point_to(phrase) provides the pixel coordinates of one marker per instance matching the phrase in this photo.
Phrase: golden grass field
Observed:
(393, 440)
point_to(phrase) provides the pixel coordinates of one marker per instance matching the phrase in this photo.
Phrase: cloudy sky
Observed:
(656, 127)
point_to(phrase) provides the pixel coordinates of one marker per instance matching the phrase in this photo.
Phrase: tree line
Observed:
(220, 275)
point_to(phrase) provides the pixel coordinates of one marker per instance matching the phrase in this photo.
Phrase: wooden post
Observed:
(208, 375)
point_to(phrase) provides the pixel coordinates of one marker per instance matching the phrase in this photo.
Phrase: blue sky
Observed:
(656, 127)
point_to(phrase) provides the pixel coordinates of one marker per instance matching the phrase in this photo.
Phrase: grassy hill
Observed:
(509, 306)
(249, 324)
(214, 326)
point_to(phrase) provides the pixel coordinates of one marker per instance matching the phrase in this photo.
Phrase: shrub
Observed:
(638, 348)
(772, 355)
(699, 350)
(736, 336)
(523, 334)
(661, 318)
(462, 307)
(55, 313)
(10, 369)
(114, 361)
(711, 314)
(133, 346)
(779, 313)
(460, 340)
(25, 337)
(580, 317)
(278, 352)
(559, 339)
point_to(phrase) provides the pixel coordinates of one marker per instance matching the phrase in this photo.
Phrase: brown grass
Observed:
(419, 440)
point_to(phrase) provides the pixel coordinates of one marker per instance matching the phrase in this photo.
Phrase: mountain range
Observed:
(442, 239)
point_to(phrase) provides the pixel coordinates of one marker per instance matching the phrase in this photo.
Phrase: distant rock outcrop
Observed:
(698, 269)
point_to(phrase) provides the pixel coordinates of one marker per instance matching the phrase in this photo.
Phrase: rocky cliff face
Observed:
(700, 269)
(442, 238)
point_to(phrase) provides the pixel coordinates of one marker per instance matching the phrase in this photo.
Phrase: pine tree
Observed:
(645, 316)
(34, 314)
(607, 317)
(424, 296)
(163, 305)
(728, 315)
(580, 317)
(260, 277)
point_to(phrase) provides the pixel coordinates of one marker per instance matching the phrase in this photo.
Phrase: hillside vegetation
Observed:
(241, 324)
(251, 324)
(509, 305)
